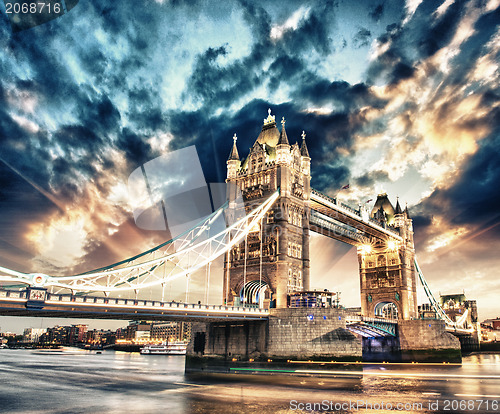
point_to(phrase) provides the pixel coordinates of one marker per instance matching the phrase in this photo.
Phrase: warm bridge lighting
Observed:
(392, 245)
(366, 248)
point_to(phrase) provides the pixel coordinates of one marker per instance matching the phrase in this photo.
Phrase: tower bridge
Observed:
(383, 237)
(269, 214)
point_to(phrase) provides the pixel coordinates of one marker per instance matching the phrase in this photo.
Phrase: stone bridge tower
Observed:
(274, 259)
(387, 269)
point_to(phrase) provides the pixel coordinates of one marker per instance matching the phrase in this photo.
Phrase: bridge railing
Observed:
(359, 318)
(336, 228)
(95, 300)
(356, 213)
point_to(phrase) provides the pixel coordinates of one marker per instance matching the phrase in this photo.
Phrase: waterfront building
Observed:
(77, 334)
(455, 306)
(137, 329)
(57, 335)
(100, 337)
(32, 335)
(494, 324)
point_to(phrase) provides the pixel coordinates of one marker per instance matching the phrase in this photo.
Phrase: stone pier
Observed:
(302, 335)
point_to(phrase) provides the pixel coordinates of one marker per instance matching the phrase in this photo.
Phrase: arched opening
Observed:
(253, 293)
(387, 310)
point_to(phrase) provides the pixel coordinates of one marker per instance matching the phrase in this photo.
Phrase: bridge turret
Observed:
(283, 147)
(233, 162)
(275, 256)
(399, 218)
(304, 155)
(387, 270)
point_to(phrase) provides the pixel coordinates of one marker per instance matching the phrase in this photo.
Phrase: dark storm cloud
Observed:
(20, 204)
(145, 109)
(220, 85)
(286, 69)
(475, 197)
(136, 149)
(371, 178)
(312, 33)
(344, 96)
(362, 38)
(401, 71)
(440, 31)
(472, 200)
(384, 64)
(377, 12)
(328, 177)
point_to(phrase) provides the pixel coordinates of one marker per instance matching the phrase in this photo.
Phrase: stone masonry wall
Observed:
(304, 333)
(422, 334)
(228, 339)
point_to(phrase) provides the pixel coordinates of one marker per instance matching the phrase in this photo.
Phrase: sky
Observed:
(397, 97)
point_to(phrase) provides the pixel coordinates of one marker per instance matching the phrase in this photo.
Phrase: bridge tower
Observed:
(386, 267)
(274, 259)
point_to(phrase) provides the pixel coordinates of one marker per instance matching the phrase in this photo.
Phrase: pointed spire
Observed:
(283, 137)
(406, 211)
(234, 153)
(303, 149)
(398, 208)
(381, 213)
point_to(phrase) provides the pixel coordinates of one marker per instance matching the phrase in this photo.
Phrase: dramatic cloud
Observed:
(397, 97)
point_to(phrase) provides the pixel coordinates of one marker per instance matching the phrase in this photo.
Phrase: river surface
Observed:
(78, 381)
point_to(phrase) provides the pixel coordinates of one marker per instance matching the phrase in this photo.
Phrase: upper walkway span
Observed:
(339, 221)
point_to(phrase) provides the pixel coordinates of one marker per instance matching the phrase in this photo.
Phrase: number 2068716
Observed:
(33, 8)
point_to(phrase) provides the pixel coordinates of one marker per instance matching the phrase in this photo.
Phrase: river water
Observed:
(78, 381)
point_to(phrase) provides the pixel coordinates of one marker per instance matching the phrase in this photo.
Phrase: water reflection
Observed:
(77, 381)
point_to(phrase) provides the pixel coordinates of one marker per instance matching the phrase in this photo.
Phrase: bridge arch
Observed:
(254, 292)
(386, 309)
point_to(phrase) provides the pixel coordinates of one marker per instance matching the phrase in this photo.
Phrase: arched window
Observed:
(381, 260)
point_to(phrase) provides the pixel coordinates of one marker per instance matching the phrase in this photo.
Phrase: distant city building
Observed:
(492, 323)
(155, 332)
(77, 334)
(100, 337)
(32, 335)
(58, 335)
(455, 306)
(138, 329)
(490, 330)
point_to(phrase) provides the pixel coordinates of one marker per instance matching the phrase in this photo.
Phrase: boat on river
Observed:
(169, 348)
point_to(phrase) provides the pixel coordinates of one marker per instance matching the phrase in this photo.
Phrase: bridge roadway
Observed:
(341, 222)
(15, 303)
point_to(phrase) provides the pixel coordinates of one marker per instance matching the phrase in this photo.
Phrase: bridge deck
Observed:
(15, 303)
